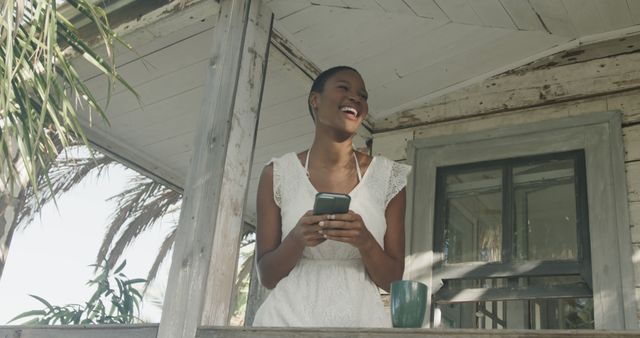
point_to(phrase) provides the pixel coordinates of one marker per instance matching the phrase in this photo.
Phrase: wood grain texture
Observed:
(203, 267)
(80, 331)
(216, 332)
(543, 87)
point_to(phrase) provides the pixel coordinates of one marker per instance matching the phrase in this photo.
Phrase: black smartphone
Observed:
(331, 203)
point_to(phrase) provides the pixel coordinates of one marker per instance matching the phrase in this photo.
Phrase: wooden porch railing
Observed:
(151, 330)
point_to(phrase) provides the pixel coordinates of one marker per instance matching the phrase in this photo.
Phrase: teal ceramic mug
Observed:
(408, 303)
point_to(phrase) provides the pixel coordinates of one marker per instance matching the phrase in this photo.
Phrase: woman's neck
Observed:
(331, 153)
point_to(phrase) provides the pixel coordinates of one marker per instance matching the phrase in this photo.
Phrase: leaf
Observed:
(29, 314)
(43, 301)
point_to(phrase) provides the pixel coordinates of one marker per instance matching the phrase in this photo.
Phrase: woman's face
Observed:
(342, 105)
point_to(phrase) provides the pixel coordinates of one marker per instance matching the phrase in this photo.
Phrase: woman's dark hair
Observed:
(318, 83)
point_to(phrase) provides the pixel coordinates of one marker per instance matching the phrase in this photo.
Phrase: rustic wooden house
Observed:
(521, 119)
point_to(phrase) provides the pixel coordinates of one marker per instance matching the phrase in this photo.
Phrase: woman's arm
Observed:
(383, 265)
(275, 258)
(386, 266)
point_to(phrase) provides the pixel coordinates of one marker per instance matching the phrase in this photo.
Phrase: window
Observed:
(493, 216)
(525, 226)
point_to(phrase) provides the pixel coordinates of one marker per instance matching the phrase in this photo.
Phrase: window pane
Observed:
(545, 211)
(473, 219)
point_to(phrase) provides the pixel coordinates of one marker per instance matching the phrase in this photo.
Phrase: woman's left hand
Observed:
(347, 228)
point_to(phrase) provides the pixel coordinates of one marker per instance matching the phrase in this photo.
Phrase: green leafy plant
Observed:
(40, 90)
(107, 305)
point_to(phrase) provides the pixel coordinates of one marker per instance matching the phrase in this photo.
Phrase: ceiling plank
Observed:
(284, 8)
(554, 17)
(363, 4)
(634, 9)
(544, 87)
(492, 13)
(615, 14)
(585, 16)
(522, 15)
(395, 6)
(460, 11)
(427, 9)
(489, 54)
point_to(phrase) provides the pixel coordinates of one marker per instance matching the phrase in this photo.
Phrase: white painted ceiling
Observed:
(408, 51)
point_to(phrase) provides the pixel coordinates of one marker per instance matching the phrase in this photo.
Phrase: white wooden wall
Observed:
(471, 116)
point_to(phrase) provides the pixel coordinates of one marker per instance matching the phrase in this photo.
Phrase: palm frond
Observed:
(165, 247)
(64, 174)
(138, 208)
(40, 91)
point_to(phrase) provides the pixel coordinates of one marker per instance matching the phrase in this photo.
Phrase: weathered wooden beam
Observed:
(202, 274)
(517, 91)
(80, 331)
(232, 332)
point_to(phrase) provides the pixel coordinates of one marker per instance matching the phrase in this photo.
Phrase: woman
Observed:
(325, 270)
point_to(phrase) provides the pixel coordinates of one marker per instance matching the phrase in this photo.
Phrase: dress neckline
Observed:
(353, 190)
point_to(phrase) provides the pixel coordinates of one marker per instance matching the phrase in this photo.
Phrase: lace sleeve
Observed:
(397, 180)
(277, 181)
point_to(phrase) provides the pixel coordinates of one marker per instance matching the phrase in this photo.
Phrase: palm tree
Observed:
(138, 207)
(40, 92)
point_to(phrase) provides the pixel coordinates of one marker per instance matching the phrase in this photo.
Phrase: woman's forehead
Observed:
(347, 76)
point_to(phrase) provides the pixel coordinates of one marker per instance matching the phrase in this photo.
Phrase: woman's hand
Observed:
(307, 230)
(347, 228)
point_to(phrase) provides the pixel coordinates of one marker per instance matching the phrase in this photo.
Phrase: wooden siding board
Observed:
(392, 145)
(522, 15)
(460, 11)
(628, 104)
(492, 13)
(633, 181)
(632, 142)
(634, 216)
(555, 17)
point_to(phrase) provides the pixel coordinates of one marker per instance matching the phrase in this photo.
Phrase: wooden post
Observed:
(202, 274)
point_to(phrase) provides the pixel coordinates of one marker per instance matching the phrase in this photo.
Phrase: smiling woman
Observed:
(325, 270)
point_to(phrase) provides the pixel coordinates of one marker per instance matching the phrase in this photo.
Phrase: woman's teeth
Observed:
(350, 110)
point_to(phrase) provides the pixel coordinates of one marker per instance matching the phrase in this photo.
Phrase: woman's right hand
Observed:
(307, 230)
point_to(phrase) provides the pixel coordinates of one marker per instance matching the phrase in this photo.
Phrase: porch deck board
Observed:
(151, 330)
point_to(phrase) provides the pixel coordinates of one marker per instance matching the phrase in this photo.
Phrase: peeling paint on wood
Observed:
(521, 91)
(631, 136)
(634, 216)
(392, 145)
(633, 181)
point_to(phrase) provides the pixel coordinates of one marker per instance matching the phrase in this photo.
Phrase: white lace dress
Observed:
(329, 286)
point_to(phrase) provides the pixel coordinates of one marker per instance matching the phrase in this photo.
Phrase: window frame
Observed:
(599, 135)
(506, 268)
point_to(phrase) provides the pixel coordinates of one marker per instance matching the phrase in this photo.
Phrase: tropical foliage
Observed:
(41, 92)
(107, 305)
